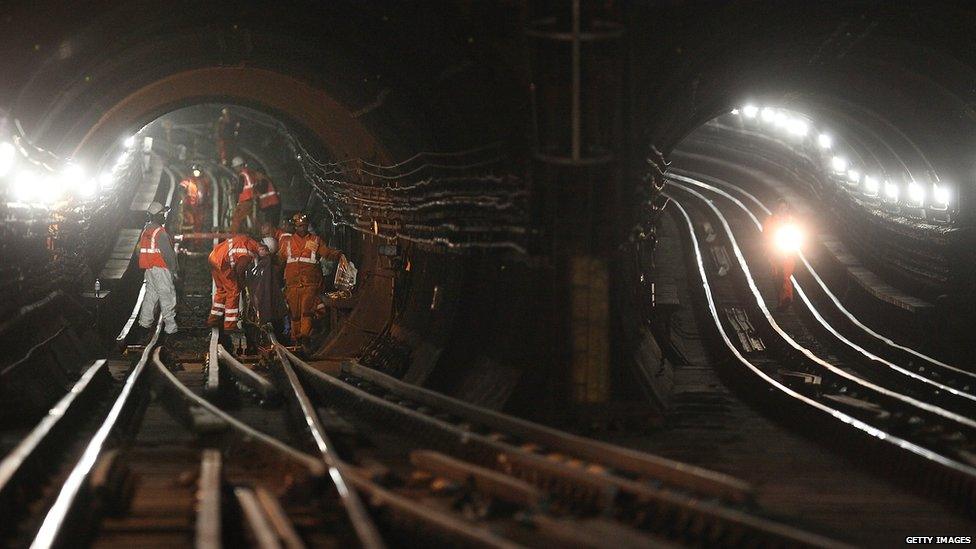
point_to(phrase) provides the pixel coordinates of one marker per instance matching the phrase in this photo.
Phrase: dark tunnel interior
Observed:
(512, 181)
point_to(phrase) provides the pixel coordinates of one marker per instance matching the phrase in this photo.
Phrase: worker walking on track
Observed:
(301, 253)
(785, 239)
(245, 209)
(228, 265)
(158, 259)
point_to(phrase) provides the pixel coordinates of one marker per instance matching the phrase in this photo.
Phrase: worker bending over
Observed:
(301, 253)
(157, 257)
(785, 239)
(228, 264)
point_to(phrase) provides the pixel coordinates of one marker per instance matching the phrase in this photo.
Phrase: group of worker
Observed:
(275, 256)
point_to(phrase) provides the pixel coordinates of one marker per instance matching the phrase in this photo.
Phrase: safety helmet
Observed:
(299, 219)
(196, 170)
(225, 110)
(237, 162)
(155, 208)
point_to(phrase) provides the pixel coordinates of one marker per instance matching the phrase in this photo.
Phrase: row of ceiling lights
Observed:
(29, 183)
(914, 194)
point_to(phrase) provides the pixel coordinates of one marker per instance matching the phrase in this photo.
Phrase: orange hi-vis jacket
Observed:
(150, 254)
(301, 255)
(250, 178)
(192, 191)
(269, 197)
(231, 252)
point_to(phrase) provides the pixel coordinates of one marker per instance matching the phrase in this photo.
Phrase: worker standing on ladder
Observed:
(301, 253)
(158, 259)
(228, 265)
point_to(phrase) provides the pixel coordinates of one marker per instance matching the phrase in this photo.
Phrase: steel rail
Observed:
(309, 462)
(14, 462)
(362, 523)
(57, 516)
(547, 473)
(760, 302)
(695, 479)
(245, 375)
(826, 324)
(867, 429)
(836, 301)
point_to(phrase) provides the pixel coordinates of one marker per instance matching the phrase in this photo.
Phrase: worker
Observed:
(268, 200)
(245, 209)
(784, 242)
(225, 132)
(192, 208)
(266, 303)
(228, 264)
(158, 259)
(203, 184)
(301, 252)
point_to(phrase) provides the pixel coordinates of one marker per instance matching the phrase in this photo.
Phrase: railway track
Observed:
(845, 388)
(197, 445)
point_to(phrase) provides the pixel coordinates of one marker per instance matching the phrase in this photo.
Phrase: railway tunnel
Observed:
(559, 215)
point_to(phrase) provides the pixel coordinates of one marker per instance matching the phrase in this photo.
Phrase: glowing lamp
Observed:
(788, 238)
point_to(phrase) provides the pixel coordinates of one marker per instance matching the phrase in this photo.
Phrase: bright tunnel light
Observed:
(798, 127)
(768, 115)
(891, 191)
(750, 111)
(130, 142)
(8, 156)
(51, 189)
(735, 111)
(788, 238)
(781, 120)
(106, 181)
(825, 141)
(916, 193)
(870, 185)
(25, 186)
(853, 176)
(839, 164)
(940, 195)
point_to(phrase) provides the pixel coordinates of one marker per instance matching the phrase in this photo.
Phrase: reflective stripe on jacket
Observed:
(150, 254)
(247, 193)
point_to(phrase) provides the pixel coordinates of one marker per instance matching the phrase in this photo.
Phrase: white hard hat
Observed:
(155, 208)
(237, 162)
(271, 243)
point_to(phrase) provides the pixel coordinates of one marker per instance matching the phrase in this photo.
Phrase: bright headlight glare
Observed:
(735, 111)
(853, 176)
(798, 127)
(768, 115)
(750, 111)
(25, 186)
(916, 193)
(871, 185)
(781, 120)
(106, 181)
(839, 164)
(8, 157)
(88, 188)
(788, 238)
(940, 194)
(891, 191)
(825, 141)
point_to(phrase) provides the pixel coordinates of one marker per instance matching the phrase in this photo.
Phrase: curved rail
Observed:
(836, 333)
(361, 521)
(695, 479)
(601, 488)
(760, 302)
(873, 432)
(833, 298)
(57, 515)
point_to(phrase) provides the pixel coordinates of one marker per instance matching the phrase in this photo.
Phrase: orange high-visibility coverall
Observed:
(192, 211)
(783, 263)
(245, 201)
(228, 261)
(303, 278)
